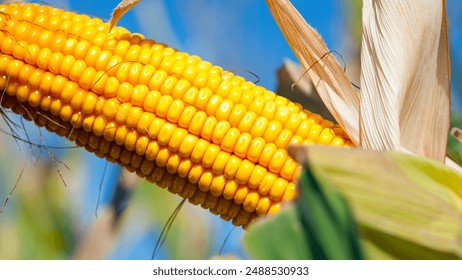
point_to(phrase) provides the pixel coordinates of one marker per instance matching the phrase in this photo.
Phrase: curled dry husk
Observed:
(123, 7)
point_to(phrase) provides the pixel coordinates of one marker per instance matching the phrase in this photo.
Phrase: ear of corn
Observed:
(181, 122)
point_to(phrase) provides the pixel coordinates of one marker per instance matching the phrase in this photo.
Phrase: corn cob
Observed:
(180, 122)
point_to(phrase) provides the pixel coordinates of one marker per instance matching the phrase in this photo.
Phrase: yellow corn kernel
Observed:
(247, 121)
(258, 173)
(315, 132)
(267, 154)
(177, 138)
(251, 201)
(326, 136)
(277, 161)
(236, 115)
(274, 208)
(205, 181)
(259, 127)
(186, 116)
(278, 189)
(272, 131)
(241, 194)
(197, 123)
(220, 162)
(187, 145)
(184, 168)
(255, 149)
(269, 110)
(242, 145)
(232, 166)
(224, 88)
(213, 104)
(283, 139)
(199, 150)
(220, 131)
(202, 98)
(166, 133)
(244, 171)
(217, 186)
(207, 129)
(195, 173)
(230, 189)
(263, 206)
(230, 139)
(338, 142)
(267, 182)
(210, 155)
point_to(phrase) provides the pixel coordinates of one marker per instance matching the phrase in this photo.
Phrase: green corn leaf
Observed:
(454, 150)
(326, 219)
(279, 237)
(407, 207)
(318, 226)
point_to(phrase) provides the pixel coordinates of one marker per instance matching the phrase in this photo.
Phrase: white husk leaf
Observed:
(123, 7)
(405, 99)
(327, 75)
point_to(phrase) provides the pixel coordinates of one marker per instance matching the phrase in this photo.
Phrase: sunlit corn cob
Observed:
(178, 121)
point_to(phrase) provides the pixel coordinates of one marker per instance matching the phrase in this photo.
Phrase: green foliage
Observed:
(406, 207)
(281, 237)
(327, 220)
(454, 150)
(36, 223)
(318, 226)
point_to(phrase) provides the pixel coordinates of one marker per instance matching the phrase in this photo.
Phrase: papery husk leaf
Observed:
(405, 99)
(397, 198)
(327, 75)
(123, 7)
